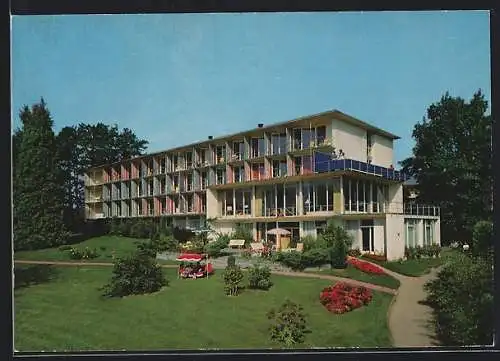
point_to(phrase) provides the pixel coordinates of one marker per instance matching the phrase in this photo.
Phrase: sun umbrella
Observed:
(279, 232)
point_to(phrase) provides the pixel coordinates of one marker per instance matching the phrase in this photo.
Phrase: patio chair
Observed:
(257, 248)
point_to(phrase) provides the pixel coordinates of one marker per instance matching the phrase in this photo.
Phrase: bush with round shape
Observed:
(288, 324)
(259, 277)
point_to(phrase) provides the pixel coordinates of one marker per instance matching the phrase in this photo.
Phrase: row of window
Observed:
(419, 232)
(219, 154)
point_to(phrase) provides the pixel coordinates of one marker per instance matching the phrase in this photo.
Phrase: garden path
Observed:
(410, 319)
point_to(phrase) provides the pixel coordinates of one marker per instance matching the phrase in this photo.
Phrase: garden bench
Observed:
(238, 243)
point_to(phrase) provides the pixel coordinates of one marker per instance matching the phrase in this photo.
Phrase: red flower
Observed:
(343, 297)
(365, 266)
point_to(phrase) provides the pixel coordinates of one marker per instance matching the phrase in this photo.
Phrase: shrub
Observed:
(241, 231)
(231, 261)
(134, 275)
(338, 255)
(259, 277)
(315, 257)
(344, 297)
(86, 253)
(64, 247)
(334, 234)
(124, 228)
(482, 234)
(410, 253)
(246, 254)
(354, 252)
(292, 259)
(102, 248)
(233, 275)
(139, 230)
(288, 324)
(309, 242)
(462, 299)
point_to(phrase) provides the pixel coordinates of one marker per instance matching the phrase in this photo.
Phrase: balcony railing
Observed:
(392, 208)
(324, 163)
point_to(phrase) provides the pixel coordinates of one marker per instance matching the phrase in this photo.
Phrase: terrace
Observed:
(326, 163)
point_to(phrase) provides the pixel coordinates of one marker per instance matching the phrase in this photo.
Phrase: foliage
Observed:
(233, 275)
(344, 297)
(86, 253)
(288, 324)
(153, 246)
(292, 259)
(462, 298)
(334, 234)
(215, 248)
(338, 255)
(241, 231)
(88, 145)
(482, 238)
(64, 247)
(433, 250)
(452, 162)
(355, 252)
(315, 257)
(140, 229)
(231, 261)
(134, 275)
(365, 266)
(259, 277)
(38, 198)
(182, 235)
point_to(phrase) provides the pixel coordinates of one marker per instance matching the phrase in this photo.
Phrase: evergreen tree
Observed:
(38, 195)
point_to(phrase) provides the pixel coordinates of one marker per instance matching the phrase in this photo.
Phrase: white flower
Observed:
(465, 247)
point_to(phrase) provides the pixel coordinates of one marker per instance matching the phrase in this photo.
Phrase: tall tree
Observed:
(38, 198)
(89, 145)
(452, 162)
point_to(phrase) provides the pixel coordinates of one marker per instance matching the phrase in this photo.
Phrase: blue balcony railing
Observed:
(324, 163)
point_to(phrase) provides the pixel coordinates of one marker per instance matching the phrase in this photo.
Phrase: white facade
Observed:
(351, 139)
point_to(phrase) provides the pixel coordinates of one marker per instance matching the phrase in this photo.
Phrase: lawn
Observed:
(118, 245)
(354, 273)
(61, 309)
(416, 267)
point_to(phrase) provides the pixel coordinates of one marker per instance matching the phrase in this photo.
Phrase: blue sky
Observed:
(177, 78)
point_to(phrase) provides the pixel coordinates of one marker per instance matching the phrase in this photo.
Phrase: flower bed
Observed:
(343, 297)
(365, 266)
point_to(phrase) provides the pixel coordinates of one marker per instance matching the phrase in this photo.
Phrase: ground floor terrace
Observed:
(387, 234)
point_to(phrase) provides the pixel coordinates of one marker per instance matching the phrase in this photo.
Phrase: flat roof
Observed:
(337, 114)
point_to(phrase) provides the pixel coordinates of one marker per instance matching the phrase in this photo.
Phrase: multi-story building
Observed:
(293, 175)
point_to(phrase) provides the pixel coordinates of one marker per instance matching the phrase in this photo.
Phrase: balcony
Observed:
(280, 212)
(324, 162)
(393, 208)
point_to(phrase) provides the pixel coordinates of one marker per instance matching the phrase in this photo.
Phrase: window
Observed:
(298, 165)
(220, 154)
(190, 186)
(204, 180)
(411, 232)
(238, 150)
(239, 174)
(220, 176)
(320, 134)
(278, 143)
(189, 159)
(428, 232)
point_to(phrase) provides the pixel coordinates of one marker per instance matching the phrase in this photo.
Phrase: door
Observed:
(368, 235)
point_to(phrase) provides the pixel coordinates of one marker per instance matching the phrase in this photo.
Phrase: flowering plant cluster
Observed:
(343, 297)
(365, 266)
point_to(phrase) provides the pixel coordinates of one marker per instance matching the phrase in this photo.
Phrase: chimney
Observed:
(260, 125)
(210, 137)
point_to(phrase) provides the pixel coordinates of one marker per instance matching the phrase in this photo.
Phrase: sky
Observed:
(175, 79)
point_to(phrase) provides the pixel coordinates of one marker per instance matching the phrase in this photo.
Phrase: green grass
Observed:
(417, 267)
(61, 309)
(121, 246)
(355, 274)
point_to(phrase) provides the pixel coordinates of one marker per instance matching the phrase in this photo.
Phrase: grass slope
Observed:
(60, 308)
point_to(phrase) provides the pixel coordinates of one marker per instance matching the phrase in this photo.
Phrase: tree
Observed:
(84, 146)
(38, 196)
(451, 162)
